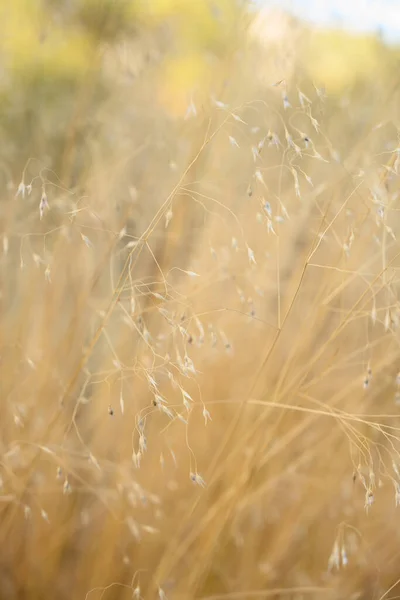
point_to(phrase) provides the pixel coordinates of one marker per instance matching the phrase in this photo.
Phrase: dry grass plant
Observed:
(200, 343)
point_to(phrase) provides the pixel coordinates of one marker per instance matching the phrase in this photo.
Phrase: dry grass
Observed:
(200, 336)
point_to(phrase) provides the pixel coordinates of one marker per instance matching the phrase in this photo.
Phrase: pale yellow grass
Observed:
(296, 364)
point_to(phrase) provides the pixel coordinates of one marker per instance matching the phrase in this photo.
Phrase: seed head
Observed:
(206, 415)
(44, 205)
(250, 254)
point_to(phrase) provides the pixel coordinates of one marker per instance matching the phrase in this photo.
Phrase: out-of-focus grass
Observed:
(199, 325)
(343, 61)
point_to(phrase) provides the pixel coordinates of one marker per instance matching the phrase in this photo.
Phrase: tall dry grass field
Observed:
(199, 327)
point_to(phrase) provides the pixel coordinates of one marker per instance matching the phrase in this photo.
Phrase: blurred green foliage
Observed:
(53, 55)
(54, 77)
(343, 60)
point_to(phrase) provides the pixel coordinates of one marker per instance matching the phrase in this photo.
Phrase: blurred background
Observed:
(199, 326)
(376, 17)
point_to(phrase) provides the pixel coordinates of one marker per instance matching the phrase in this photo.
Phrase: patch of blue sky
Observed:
(360, 16)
